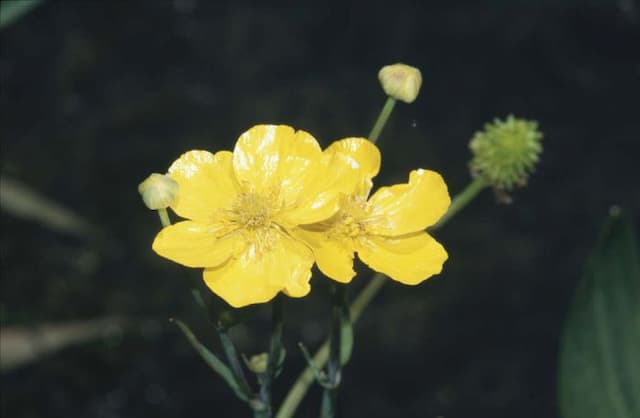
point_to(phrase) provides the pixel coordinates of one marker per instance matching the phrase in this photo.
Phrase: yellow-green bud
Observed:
(505, 152)
(258, 363)
(401, 82)
(158, 191)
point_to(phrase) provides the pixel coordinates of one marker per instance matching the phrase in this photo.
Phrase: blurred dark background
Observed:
(98, 94)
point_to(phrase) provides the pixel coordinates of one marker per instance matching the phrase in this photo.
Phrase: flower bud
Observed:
(401, 81)
(158, 191)
(258, 363)
(505, 152)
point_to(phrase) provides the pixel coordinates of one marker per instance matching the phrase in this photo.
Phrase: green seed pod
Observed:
(505, 152)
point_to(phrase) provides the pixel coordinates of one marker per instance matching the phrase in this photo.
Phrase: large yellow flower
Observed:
(241, 207)
(386, 230)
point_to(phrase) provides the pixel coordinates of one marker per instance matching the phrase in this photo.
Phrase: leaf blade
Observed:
(600, 348)
(212, 360)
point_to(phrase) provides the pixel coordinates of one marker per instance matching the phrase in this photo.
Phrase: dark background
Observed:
(98, 94)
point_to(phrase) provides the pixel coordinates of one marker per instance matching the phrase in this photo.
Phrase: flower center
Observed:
(252, 214)
(254, 211)
(351, 220)
(250, 211)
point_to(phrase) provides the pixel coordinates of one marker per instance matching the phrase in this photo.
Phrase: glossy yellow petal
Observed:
(256, 276)
(334, 258)
(206, 184)
(362, 152)
(347, 167)
(409, 259)
(299, 272)
(197, 245)
(406, 208)
(336, 175)
(275, 159)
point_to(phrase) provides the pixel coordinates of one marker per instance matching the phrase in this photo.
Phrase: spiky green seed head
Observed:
(505, 152)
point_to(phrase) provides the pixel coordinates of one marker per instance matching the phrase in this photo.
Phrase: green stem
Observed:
(382, 119)
(275, 344)
(164, 217)
(275, 348)
(306, 378)
(328, 405)
(334, 367)
(461, 200)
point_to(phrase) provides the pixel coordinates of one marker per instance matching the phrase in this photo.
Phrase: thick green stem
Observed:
(306, 378)
(382, 119)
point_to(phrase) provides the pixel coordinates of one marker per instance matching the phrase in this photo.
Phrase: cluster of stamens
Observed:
(253, 213)
(350, 221)
(250, 211)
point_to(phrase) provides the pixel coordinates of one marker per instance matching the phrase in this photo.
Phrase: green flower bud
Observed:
(258, 363)
(401, 82)
(158, 191)
(505, 152)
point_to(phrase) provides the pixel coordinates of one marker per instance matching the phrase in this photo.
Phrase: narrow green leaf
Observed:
(233, 360)
(600, 350)
(346, 337)
(214, 362)
(280, 362)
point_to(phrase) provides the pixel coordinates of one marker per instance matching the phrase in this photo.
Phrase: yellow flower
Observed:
(387, 231)
(241, 207)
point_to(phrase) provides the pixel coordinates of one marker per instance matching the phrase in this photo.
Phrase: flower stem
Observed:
(382, 119)
(275, 357)
(306, 378)
(461, 200)
(164, 217)
(334, 367)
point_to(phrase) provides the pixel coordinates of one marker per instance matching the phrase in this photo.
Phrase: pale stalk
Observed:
(164, 217)
(382, 119)
(306, 378)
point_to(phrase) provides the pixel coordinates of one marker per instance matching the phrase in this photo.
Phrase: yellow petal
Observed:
(409, 259)
(362, 152)
(256, 276)
(347, 167)
(197, 245)
(206, 184)
(334, 258)
(270, 158)
(406, 208)
(336, 175)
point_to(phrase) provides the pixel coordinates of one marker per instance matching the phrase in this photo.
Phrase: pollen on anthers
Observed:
(254, 211)
(351, 220)
(252, 214)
